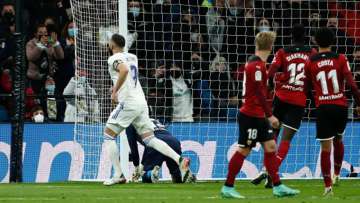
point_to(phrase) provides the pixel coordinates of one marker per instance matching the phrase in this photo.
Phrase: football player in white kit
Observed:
(132, 109)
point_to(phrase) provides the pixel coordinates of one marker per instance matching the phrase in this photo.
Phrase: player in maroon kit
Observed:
(328, 72)
(290, 97)
(255, 118)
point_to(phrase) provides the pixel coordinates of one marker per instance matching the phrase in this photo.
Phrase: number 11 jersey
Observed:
(290, 80)
(328, 72)
(131, 90)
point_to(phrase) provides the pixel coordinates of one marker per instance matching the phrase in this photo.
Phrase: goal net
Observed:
(191, 61)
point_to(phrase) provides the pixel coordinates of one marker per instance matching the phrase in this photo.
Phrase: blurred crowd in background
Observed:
(191, 52)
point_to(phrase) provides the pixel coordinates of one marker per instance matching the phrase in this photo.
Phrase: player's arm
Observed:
(262, 99)
(275, 64)
(122, 70)
(122, 73)
(258, 77)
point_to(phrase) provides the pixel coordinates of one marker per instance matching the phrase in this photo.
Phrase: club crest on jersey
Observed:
(327, 62)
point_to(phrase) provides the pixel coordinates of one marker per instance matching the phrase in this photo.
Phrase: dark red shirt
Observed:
(255, 89)
(328, 73)
(288, 69)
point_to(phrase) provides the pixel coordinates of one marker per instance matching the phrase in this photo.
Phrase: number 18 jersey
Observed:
(289, 82)
(131, 90)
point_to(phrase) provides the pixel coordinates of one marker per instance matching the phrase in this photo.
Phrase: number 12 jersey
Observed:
(290, 80)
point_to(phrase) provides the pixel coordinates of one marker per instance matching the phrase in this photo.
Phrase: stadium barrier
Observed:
(51, 154)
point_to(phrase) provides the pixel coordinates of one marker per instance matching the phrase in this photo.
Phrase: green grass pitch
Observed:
(311, 192)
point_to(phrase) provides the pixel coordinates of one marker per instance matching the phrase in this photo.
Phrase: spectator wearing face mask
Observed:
(7, 22)
(41, 51)
(182, 96)
(38, 115)
(160, 91)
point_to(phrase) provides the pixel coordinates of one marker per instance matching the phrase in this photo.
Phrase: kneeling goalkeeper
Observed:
(149, 169)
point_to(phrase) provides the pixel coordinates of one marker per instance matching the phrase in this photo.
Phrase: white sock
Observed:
(162, 147)
(114, 156)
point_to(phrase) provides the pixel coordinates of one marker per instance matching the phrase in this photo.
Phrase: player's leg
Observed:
(325, 163)
(151, 160)
(270, 160)
(175, 171)
(151, 141)
(145, 128)
(338, 144)
(247, 139)
(338, 158)
(325, 132)
(113, 153)
(279, 189)
(173, 167)
(235, 165)
(119, 119)
(290, 123)
(279, 111)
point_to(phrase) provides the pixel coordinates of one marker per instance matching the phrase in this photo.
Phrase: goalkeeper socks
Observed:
(162, 147)
(326, 167)
(271, 165)
(282, 151)
(114, 155)
(235, 165)
(338, 156)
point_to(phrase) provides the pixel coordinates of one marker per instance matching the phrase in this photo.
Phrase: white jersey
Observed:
(131, 90)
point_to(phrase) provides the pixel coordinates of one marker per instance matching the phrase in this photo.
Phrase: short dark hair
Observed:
(298, 33)
(36, 108)
(40, 25)
(119, 40)
(324, 37)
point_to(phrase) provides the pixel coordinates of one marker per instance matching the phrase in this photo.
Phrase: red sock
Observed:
(272, 167)
(326, 168)
(235, 165)
(338, 156)
(283, 150)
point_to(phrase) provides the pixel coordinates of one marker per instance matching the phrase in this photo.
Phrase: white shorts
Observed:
(124, 115)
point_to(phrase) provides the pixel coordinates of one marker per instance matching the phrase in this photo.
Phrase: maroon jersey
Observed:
(255, 89)
(289, 82)
(328, 72)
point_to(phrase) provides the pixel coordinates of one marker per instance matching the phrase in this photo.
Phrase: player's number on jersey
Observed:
(134, 73)
(252, 134)
(332, 75)
(296, 73)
